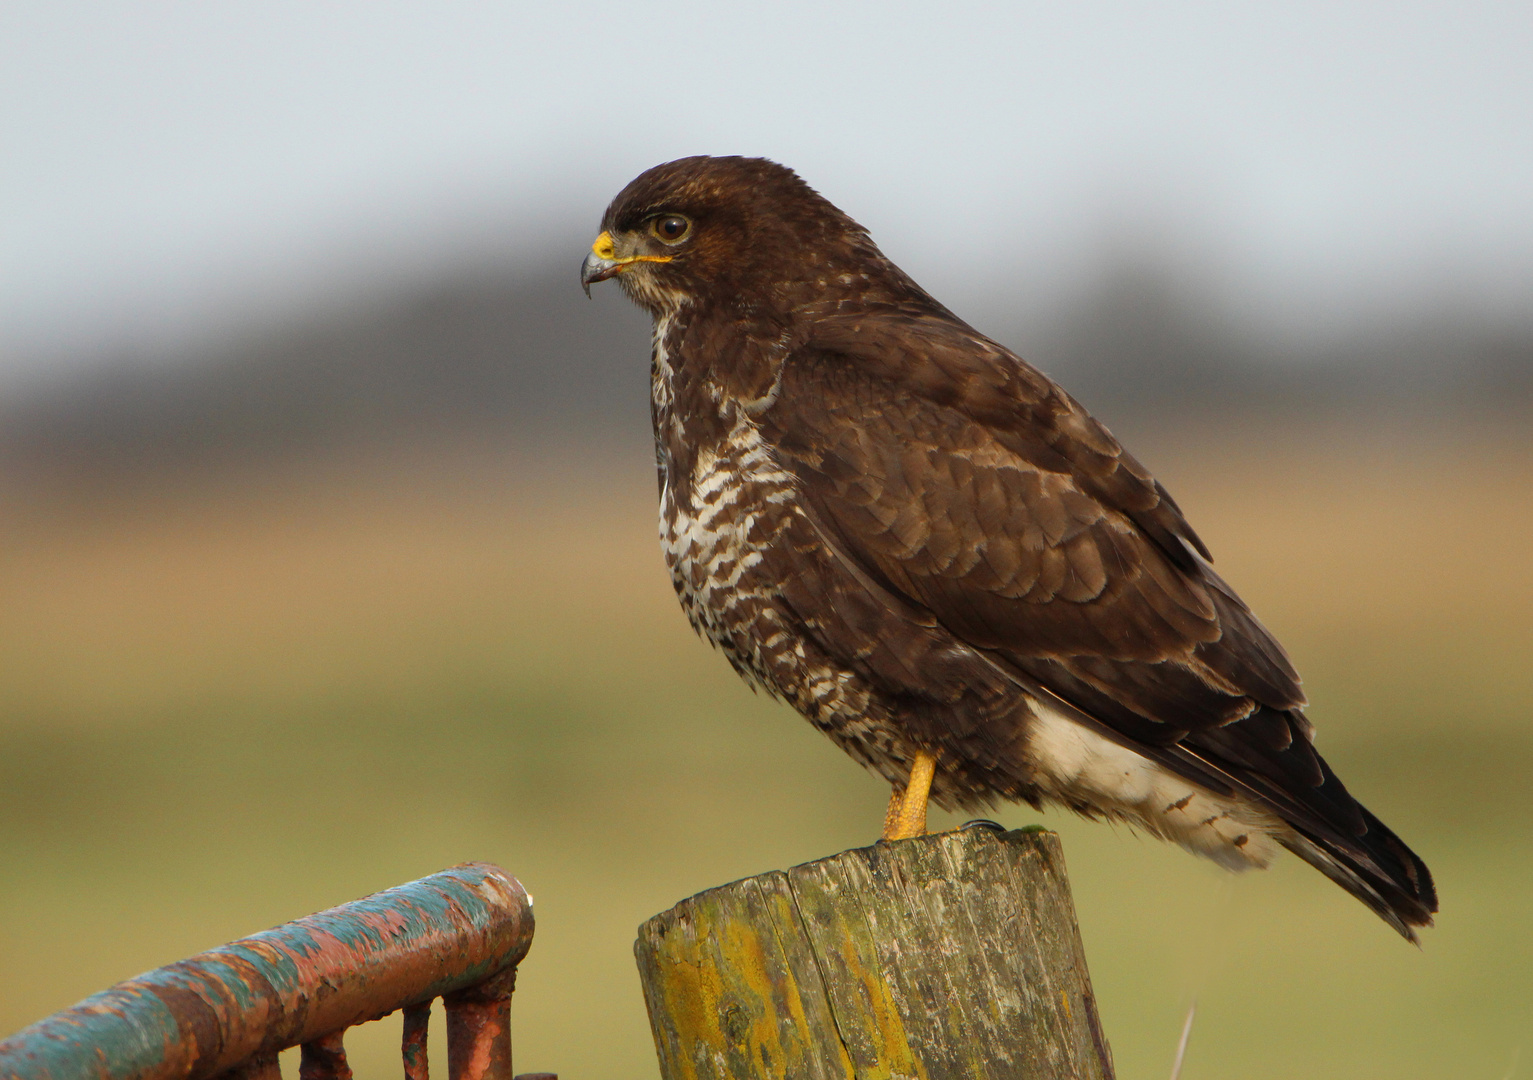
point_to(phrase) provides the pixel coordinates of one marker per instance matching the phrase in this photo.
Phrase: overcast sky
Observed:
(174, 167)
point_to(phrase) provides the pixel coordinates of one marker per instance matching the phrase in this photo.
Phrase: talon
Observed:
(983, 823)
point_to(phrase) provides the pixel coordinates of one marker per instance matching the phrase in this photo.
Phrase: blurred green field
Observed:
(227, 701)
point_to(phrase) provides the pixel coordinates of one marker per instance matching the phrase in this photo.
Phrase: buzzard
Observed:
(942, 560)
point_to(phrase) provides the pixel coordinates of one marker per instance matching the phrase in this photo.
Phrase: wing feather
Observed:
(981, 493)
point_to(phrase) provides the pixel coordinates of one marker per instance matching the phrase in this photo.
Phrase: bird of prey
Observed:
(943, 561)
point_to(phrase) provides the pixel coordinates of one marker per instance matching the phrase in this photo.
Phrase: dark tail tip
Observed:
(1377, 868)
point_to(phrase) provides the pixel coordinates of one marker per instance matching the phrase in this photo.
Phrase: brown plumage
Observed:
(927, 547)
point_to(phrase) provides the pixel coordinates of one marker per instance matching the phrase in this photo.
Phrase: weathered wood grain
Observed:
(954, 955)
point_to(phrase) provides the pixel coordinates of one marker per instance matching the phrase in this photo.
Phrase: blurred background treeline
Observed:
(507, 351)
(327, 546)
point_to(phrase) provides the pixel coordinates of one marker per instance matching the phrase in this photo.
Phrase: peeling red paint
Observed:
(325, 1058)
(479, 1036)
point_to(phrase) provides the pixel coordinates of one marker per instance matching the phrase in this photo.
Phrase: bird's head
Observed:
(722, 228)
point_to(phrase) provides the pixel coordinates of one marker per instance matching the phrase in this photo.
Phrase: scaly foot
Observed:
(906, 816)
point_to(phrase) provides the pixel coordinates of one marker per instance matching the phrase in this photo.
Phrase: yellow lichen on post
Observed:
(727, 982)
(954, 955)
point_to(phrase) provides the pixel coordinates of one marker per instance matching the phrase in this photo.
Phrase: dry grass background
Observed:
(229, 700)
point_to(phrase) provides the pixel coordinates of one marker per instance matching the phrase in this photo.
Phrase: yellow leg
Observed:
(907, 810)
(892, 815)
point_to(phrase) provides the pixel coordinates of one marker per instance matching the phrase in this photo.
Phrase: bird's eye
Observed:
(670, 228)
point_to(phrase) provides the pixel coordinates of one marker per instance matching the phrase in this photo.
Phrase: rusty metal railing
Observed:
(226, 1013)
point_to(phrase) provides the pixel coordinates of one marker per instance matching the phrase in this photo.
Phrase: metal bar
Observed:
(479, 1031)
(286, 986)
(324, 1058)
(260, 1067)
(413, 1041)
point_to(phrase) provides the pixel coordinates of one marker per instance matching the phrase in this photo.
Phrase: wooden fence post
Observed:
(946, 956)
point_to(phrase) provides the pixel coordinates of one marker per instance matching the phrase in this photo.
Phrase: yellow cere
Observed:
(604, 248)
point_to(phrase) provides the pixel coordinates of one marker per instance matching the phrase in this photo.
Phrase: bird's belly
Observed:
(716, 531)
(726, 539)
(1075, 765)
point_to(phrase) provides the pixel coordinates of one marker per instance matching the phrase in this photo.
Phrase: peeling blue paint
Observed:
(287, 985)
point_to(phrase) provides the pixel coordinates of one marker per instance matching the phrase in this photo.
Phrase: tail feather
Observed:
(1328, 828)
(1378, 869)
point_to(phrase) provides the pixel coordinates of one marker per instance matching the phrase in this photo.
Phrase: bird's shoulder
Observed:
(979, 401)
(967, 482)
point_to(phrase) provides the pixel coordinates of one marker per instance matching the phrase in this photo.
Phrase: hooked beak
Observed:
(600, 263)
(603, 262)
